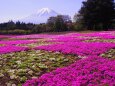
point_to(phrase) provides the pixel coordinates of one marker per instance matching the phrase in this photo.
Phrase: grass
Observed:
(16, 68)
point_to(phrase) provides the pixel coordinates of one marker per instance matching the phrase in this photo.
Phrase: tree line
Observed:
(54, 24)
(97, 15)
(93, 15)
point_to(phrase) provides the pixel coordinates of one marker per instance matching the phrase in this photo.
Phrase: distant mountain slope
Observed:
(40, 17)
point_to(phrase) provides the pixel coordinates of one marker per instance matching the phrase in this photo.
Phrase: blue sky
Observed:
(16, 9)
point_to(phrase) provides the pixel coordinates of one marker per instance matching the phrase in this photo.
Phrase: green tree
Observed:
(10, 25)
(77, 17)
(98, 14)
(51, 22)
(36, 29)
(59, 23)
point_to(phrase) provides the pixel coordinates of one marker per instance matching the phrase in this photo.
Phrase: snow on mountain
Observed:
(46, 12)
(40, 16)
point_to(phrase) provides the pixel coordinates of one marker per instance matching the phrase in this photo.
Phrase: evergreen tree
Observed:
(98, 14)
(10, 25)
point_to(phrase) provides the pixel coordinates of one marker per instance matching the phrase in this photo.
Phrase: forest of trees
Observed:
(60, 23)
(54, 24)
(97, 14)
(93, 15)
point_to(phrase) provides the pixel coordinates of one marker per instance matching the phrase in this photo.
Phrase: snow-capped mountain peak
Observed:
(40, 16)
(46, 12)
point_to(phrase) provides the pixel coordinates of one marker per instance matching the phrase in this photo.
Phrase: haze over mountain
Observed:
(40, 16)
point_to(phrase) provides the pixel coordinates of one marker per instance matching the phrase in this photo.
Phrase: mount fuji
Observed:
(40, 16)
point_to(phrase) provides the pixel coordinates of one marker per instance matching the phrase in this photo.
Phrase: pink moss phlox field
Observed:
(65, 40)
(72, 44)
(14, 42)
(48, 36)
(104, 35)
(6, 36)
(79, 48)
(3, 36)
(92, 71)
(34, 36)
(69, 38)
(11, 48)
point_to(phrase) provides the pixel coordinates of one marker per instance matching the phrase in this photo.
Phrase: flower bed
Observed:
(92, 71)
(19, 63)
(18, 42)
(79, 48)
(9, 49)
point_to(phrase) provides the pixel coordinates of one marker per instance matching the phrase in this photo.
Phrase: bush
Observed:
(17, 31)
(78, 27)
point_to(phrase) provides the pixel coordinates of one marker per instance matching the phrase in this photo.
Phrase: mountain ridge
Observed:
(40, 16)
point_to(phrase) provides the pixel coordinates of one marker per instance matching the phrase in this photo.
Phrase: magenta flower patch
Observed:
(18, 42)
(79, 48)
(11, 48)
(92, 71)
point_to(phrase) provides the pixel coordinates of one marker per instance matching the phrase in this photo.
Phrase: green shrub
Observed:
(78, 27)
